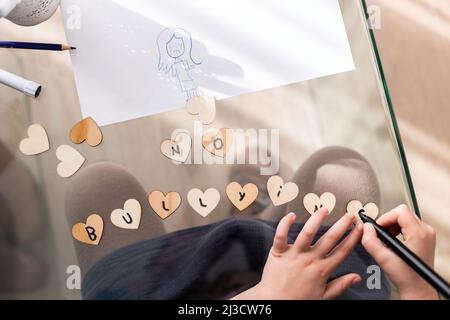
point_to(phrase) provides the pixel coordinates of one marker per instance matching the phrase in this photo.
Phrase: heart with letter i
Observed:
(313, 202)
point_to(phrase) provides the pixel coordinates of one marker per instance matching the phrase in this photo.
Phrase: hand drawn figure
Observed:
(175, 58)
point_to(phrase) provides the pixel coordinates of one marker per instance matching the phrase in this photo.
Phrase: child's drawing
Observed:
(175, 57)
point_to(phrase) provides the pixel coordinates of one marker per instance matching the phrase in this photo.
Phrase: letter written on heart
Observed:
(89, 232)
(37, 141)
(281, 193)
(129, 217)
(218, 143)
(355, 207)
(313, 202)
(242, 197)
(164, 205)
(203, 202)
(71, 161)
(177, 150)
(204, 106)
(86, 130)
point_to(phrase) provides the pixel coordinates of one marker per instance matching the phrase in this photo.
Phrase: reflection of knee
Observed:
(341, 171)
(101, 188)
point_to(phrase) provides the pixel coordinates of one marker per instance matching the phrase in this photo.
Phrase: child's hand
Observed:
(299, 270)
(418, 237)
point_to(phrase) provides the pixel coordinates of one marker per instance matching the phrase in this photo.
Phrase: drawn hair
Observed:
(165, 61)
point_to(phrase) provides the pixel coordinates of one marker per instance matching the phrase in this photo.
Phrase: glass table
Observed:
(38, 254)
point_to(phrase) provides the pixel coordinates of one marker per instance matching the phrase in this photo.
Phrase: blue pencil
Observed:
(35, 46)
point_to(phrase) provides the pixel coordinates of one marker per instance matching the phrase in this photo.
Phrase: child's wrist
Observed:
(419, 294)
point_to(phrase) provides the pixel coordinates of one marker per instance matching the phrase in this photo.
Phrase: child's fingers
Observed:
(338, 286)
(280, 241)
(306, 235)
(343, 250)
(328, 241)
(375, 247)
(402, 217)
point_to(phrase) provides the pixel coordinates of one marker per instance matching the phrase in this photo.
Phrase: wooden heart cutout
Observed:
(86, 130)
(370, 209)
(129, 217)
(89, 232)
(177, 150)
(37, 141)
(164, 205)
(218, 143)
(204, 107)
(313, 202)
(242, 197)
(281, 193)
(203, 202)
(71, 161)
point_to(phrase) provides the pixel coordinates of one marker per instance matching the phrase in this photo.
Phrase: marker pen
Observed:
(28, 87)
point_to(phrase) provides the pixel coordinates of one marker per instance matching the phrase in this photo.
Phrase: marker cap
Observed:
(32, 89)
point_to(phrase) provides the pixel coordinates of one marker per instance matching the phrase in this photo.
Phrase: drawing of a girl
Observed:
(175, 57)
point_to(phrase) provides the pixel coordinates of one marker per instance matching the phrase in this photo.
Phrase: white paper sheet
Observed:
(137, 57)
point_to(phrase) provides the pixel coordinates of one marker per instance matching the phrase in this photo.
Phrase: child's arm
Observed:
(418, 237)
(300, 270)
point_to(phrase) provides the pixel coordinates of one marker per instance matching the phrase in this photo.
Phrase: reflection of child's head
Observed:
(174, 44)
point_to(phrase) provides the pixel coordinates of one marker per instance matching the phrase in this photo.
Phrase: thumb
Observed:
(375, 247)
(338, 286)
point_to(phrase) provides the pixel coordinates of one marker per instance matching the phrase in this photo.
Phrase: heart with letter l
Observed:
(71, 161)
(313, 202)
(164, 205)
(129, 217)
(177, 149)
(86, 130)
(37, 141)
(242, 197)
(280, 192)
(203, 202)
(89, 232)
(218, 143)
(355, 207)
(204, 106)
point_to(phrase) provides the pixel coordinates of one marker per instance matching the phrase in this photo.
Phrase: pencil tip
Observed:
(73, 48)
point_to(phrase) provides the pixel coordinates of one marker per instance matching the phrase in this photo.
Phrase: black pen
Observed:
(409, 257)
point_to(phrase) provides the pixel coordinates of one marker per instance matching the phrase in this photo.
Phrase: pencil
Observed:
(35, 46)
(410, 258)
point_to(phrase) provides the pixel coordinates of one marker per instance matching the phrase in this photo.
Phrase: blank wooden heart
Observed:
(129, 217)
(86, 130)
(71, 161)
(218, 143)
(37, 141)
(204, 107)
(281, 193)
(178, 149)
(203, 202)
(164, 205)
(313, 202)
(242, 197)
(89, 232)
(355, 207)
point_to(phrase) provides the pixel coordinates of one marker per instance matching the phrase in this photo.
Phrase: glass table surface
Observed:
(350, 110)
